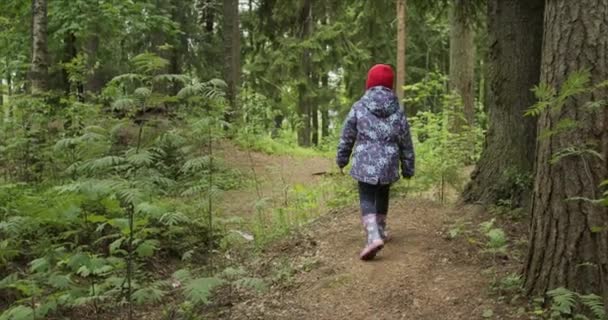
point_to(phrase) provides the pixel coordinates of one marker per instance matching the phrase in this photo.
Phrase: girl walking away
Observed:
(377, 128)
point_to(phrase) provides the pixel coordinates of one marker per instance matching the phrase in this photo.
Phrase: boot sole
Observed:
(369, 255)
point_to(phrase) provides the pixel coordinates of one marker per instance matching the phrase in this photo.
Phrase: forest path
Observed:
(274, 173)
(420, 274)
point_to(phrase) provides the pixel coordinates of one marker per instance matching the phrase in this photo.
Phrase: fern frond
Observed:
(174, 218)
(148, 63)
(196, 164)
(142, 159)
(563, 300)
(595, 304)
(199, 290)
(256, 284)
(127, 77)
(177, 78)
(148, 295)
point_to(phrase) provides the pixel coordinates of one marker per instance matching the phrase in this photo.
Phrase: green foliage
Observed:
(107, 193)
(198, 290)
(441, 152)
(496, 238)
(567, 304)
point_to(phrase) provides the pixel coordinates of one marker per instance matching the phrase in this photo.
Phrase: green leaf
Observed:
(18, 313)
(39, 265)
(148, 295)
(147, 248)
(60, 281)
(488, 313)
(563, 300)
(198, 290)
(116, 244)
(182, 275)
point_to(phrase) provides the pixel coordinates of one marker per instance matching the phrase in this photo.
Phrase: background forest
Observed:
(118, 119)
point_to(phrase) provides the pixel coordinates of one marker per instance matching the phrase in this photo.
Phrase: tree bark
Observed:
(325, 109)
(40, 58)
(314, 113)
(462, 56)
(232, 52)
(304, 107)
(568, 237)
(515, 31)
(207, 15)
(401, 46)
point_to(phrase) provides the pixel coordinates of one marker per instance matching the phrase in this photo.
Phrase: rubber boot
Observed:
(374, 240)
(382, 227)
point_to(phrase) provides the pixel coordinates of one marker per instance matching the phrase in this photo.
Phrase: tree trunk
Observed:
(207, 15)
(325, 109)
(232, 52)
(401, 46)
(314, 112)
(304, 88)
(462, 56)
(40, 58)
(9, 80)
(70, 52)
(569, 237)
(515, 31)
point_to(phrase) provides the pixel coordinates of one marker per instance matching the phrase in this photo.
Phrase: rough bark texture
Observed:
(462, 56)
(568, 238)
(40, 58)
(515, 31)
(401, 46)
(304, 131)
(232, 51)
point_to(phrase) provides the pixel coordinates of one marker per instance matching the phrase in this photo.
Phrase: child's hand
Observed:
(342, 171)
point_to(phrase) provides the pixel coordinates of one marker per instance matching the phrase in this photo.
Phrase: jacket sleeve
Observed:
(406, 149)
(347, 139)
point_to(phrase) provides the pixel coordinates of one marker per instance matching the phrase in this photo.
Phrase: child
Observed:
(378, 129)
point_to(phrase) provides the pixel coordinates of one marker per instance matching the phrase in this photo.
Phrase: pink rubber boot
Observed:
(382, 228)
(374, 240)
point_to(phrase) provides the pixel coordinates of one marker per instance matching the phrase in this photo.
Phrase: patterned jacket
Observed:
(378, 129)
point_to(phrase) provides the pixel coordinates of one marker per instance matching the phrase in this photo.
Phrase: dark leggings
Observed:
(373, 198)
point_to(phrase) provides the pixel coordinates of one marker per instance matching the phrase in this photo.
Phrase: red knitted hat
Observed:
(380, 75)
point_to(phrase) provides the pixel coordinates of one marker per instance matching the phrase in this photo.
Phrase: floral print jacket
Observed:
(378, 130)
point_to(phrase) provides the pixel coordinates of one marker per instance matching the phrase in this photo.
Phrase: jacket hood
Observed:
(381, 101)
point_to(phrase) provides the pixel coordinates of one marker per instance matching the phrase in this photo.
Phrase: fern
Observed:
(199, 290)
(595, 304)
(256, 284)
(148, 295)
(563, 301)
(18, 313)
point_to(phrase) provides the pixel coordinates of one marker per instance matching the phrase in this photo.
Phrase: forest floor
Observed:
(422, 273)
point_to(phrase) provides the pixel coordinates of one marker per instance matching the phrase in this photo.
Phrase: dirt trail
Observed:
(273, 174)
(418, 275)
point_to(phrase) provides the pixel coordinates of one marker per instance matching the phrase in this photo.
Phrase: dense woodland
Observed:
(111, 112)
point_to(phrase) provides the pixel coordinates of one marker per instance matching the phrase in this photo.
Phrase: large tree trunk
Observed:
(515, 31)
(569, 237)
(462, 56)
(232, 52)
(40, 58)
(304, 129)
(401, 46)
